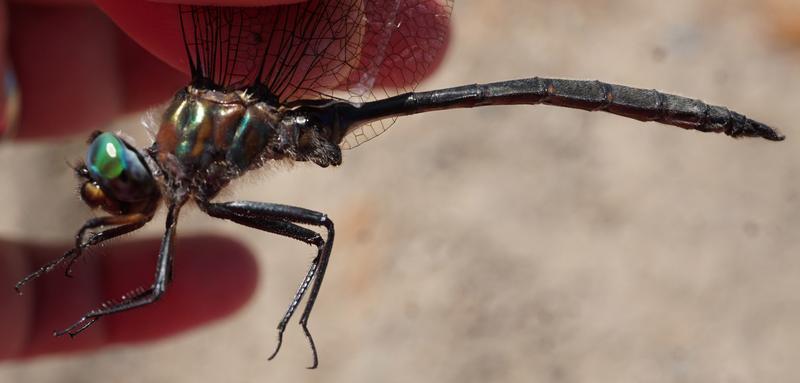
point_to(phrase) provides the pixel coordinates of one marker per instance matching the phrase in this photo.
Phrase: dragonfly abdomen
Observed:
(639, 104)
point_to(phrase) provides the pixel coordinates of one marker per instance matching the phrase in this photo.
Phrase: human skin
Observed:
(77, 71)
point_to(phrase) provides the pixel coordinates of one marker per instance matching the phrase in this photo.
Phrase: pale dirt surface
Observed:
(519, 244)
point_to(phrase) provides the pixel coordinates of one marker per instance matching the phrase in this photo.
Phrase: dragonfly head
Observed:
(117, 178)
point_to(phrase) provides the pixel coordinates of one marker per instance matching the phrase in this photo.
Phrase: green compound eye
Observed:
(106, 156)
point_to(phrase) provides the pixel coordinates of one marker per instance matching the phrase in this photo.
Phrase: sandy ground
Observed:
(520, 243)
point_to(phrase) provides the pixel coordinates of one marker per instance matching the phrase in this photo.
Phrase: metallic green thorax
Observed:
(106, 156)
(206, 138)
(205, 127)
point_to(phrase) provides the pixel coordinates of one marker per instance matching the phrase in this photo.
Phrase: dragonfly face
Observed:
(118, 179)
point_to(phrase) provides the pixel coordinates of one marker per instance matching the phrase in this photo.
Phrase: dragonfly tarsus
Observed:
(298, 296)
(42, 270)
(77, 327)
(128, 224)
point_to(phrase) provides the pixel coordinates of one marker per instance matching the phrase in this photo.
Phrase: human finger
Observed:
(214, 276)
(411, 54)
(77, 71)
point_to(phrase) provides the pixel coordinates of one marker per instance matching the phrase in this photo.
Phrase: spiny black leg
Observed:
(84, 324)
(162, 277)
(286, 229)
(104, 236)
(114, 220)
(298, 296)
(129, 223)
(324, 256)
(272, 218)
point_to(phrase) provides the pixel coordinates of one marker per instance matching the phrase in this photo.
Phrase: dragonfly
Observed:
(300, 83)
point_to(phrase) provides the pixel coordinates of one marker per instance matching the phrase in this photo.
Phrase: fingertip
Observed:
(61, 59)
(232, 3)
(213, 277)
(415, 50)
(146, 81)
(413, 53)
(152, 25)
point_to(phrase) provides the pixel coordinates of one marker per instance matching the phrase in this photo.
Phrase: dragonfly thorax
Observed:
(207, 138)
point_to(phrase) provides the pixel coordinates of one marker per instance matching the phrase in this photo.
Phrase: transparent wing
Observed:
(280, 51)
(357, 50)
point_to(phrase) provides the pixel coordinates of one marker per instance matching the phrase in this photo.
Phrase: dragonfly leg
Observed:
(128, 223)
(144, 297)
(281, 220)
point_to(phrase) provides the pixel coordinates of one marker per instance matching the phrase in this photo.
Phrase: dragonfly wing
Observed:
(354, 50)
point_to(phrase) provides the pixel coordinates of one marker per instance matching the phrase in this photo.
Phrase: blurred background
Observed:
(515, 243)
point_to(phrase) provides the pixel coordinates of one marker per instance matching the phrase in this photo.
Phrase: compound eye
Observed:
(118, 168)
(106, 157)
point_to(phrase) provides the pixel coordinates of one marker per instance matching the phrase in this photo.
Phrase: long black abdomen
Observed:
(639, 104)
